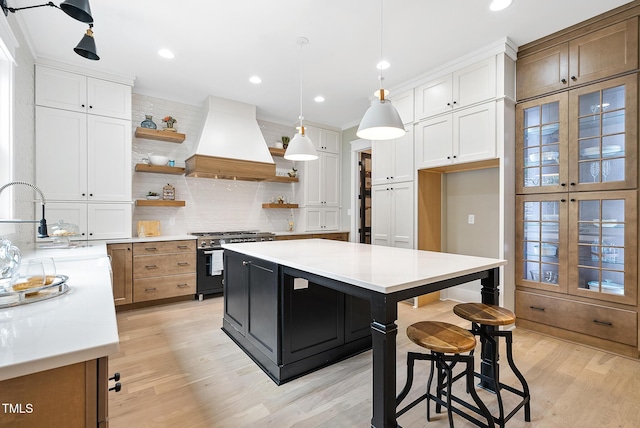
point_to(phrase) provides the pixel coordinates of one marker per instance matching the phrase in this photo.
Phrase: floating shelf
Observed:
(158, 203)
(279, 205)
(143, 167)
(155, 134)
(276, 152)
(282, 179)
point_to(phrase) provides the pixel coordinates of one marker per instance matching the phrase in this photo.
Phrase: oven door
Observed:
(209, 271)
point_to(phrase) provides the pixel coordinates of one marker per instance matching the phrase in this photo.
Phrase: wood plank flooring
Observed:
(180, 370)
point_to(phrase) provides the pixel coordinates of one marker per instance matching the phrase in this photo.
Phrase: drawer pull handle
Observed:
(150, 249)
(151, 267)
(116, 388)
(150, 289)
(183, 247)
(183, 264)
(536, 308)
(182, 285)
(608, 324)
(244, 263)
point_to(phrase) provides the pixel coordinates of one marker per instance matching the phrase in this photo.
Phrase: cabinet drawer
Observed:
(163, 264)
(607, 323)
(150, 248)
(161, 288)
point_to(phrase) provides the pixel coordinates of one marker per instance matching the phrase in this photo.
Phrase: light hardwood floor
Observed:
(180, 370)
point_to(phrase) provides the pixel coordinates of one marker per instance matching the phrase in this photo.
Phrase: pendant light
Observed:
(381, 121)
(300, 147)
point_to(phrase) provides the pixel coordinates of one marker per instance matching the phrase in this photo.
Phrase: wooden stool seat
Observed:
(481, 313)
(441, 337)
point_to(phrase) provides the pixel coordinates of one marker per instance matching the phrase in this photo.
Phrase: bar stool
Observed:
(443, 338)
(484, 322)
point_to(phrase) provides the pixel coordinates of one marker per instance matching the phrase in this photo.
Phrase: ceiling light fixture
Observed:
(255, 80)
(166, 53)
(78, 10)
(497, 5)
(301, 148)
(381, 121)
(319, 99)
(383, 65)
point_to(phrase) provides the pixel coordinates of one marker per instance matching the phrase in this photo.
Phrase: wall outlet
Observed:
(472, 219)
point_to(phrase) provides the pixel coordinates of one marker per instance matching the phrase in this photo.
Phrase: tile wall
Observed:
(211, 205)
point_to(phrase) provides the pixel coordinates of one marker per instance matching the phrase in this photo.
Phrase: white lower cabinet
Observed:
(392, 215)
(96, 221)
(467, 135)
(322, 219)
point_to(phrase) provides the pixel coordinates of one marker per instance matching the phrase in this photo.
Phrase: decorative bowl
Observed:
(158, 160)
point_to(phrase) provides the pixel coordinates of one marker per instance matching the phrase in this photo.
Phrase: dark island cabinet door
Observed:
(357, 320)
(235, 291)
(262, 312)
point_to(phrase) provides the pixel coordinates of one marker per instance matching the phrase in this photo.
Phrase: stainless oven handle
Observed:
(210, 252)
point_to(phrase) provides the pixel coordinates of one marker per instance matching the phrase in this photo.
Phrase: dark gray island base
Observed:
(290, 327)
(262, 301)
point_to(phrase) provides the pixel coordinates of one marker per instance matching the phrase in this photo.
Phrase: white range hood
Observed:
(231, 145)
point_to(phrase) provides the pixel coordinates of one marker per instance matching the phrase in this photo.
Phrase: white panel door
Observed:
(331, 219)
(330, 141)
(403, 155)
(109, 159)
(381, 161)
(61, 89)
(434, 142)
(106, 98)
(381, 215)
(61, 154)
(474, 133)
(313, 219)
(330, 179)
(434, 97)
(109, 221)
(475, 83)
(402, 215)
(404, 105)
(68, 212)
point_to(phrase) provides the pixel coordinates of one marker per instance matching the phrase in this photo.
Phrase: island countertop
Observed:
(374, 267)
(77, 326)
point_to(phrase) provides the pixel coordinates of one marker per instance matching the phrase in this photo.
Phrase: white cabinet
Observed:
(82, 157)
(322, 181)
(71, 91)
(403, 103)
(324, 140)
(95, 220)
(392, 160)
(467, 135)
(322, 219)
(392, 215)
(470, 85)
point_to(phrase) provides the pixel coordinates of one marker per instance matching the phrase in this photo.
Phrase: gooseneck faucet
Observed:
(42, 228)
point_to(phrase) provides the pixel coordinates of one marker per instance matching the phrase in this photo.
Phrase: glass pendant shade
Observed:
(87, 46)
(381, 122)
(301, 148)
(77, 9)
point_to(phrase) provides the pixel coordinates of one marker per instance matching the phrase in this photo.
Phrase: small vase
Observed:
(148, 123)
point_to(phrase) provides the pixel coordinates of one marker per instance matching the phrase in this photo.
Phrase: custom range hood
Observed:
(231, 145)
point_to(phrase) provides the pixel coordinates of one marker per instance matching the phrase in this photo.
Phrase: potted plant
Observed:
(153, 195)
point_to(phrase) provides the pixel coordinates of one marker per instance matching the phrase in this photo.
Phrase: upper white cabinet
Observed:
(324, 140)
(462, 88)
(81, 157)
(403, 103)
(392, 160)
(322, 181)
(71, 91)
(467, 135)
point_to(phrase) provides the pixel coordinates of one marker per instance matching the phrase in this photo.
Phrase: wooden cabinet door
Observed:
(109, 159)
(121, 265)
(603, 53)
(61, 154)
(542, 72)
(474, 133)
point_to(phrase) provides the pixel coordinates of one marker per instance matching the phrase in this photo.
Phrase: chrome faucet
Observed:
(42, 229)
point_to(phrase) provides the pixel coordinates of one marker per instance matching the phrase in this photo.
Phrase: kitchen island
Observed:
(381, 276)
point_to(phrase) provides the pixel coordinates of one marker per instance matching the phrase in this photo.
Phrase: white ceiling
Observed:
(220, 44)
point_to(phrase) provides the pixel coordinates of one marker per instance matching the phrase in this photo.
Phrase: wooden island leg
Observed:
(384, 311)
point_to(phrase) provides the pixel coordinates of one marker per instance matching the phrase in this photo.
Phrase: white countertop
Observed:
(374, 267)
(77, 326)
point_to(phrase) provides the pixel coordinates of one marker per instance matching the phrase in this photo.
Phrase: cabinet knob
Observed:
(90, 194)
(90, 233)
(564, 81)
(245, 263)
(116, 376)
(572, 184)
(563, 200)
(116, 388)
(90, 106)
(84, 194)
(448, 157)
(82, 105)
(455, 102)
(454, 156)
(563, 184)
(572, 199)
(574, 78)
(449, 104)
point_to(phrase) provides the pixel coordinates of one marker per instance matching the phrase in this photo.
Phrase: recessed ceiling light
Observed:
(319, 99)
(497, 5)
(383, 65)
(166, 53)
(255, 80)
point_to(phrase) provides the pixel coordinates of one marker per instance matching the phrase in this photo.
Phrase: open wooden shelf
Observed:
(276, 152)
(158, 203)
(143, 167)
(155, 134)
(279, 205)
(282, 179)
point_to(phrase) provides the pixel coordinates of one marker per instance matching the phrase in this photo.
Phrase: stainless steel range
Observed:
(209, 258)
